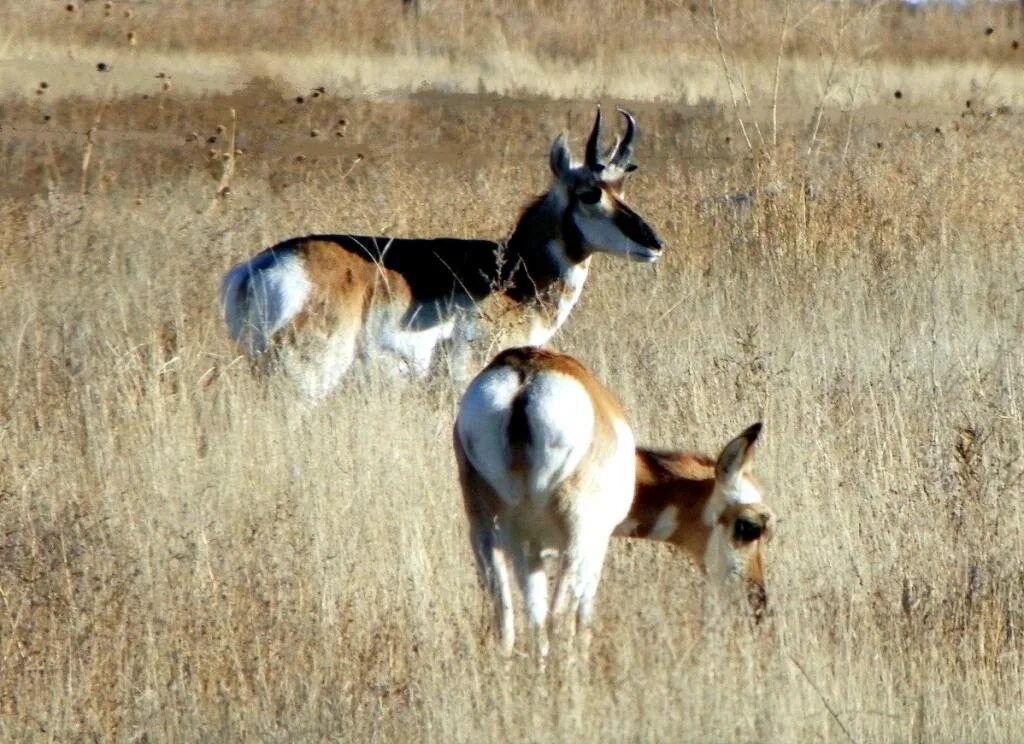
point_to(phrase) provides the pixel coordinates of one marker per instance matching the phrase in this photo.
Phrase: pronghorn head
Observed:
(592, 192)
(741, 525)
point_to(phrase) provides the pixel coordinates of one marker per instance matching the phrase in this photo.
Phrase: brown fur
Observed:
(342, 285)
(682, 479)
(686, 480)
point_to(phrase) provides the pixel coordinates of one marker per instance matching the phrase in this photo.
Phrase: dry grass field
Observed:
(191, 554)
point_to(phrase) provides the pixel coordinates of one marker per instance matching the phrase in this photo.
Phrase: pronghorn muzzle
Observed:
(757, 596)
(630, 224)
(752, 528)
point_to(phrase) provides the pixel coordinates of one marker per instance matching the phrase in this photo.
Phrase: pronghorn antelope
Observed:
(547, 465)
(309, 305)
(711, 508)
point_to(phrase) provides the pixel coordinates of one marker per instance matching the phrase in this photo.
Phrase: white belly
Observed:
(414, 349)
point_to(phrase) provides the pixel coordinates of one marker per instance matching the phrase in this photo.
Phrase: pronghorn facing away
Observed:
(309, 305)
(547, 464)
(711, 508)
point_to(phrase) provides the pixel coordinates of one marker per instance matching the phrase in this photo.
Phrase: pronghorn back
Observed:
(546, 462)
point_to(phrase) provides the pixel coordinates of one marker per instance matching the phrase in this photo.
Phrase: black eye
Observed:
(589, 196)
(747, 531)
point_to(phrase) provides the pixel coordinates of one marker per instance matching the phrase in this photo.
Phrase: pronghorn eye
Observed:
(747, 531)
(590, 196)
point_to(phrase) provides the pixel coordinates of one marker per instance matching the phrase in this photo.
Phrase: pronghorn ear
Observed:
(631, 167)
(561, 160)
(737, 454)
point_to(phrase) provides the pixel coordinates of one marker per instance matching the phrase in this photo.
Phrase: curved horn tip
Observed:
(623, 153)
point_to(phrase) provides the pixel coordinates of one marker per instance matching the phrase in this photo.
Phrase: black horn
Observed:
(592, 158)
(623, 154)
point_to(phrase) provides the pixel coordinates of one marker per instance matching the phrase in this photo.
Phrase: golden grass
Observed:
(187, 554)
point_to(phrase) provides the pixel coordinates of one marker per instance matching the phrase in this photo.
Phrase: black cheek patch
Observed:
(747, 531)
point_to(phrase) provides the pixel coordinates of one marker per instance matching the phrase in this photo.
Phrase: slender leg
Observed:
(502, 588)
(577, 586)
(590, 576)
(534, 583)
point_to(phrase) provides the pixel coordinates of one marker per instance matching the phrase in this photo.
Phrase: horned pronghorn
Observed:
(709, 507)
(309, 305)
(547, 465)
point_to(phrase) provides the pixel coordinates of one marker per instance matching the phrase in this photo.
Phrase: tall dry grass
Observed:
(187, 553)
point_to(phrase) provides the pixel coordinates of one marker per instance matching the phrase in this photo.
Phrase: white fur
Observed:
(561, 417)
(482, 428)
(742, 491)
(575, 277)
(602, 235)
(719, 557)
(738, 490)
(561, 430)
(278, 289)
(414, 348)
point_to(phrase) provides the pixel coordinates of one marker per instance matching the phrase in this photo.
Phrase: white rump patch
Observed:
(261, 296)
(561, 417)
(561, 425)
(482, 428)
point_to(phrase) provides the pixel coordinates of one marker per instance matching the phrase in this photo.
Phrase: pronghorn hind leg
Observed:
(533, 580)
(589, 577)
(491, 550)
(577, 586)
(502, 594)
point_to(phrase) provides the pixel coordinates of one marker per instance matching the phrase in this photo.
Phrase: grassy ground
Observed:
(187, 554)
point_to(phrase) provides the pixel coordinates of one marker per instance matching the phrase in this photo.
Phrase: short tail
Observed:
(262, 295)
(237, 304)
